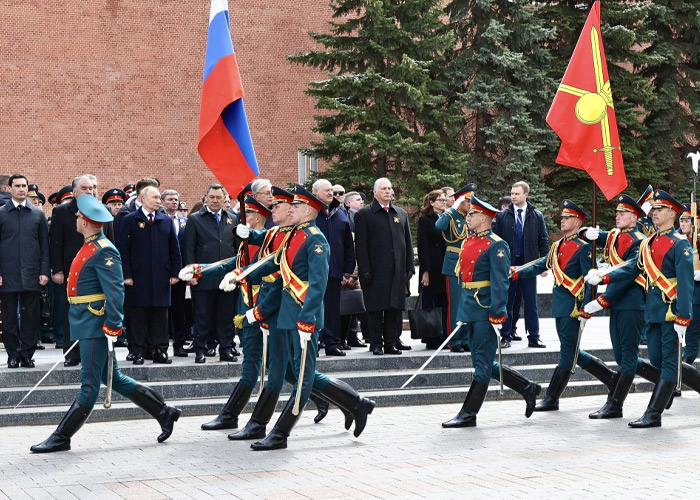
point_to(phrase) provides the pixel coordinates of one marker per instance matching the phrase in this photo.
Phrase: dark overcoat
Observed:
(383, 248)
(24, 248)
(150, 256)
(431, 252)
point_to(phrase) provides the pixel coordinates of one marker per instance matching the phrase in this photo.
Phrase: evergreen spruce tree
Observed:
(384, 111)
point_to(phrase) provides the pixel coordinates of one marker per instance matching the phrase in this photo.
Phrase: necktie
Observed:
(386, 209)
(520, 219)
(177, 227)
(519, 233)
(150, 218)
(217, 216)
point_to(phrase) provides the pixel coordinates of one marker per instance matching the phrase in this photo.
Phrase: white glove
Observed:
(646, 206)
(304, 336)
(243, 230)
(592, 233)
(592, 307)
(229, 282)
(680, 331)
(593, 278)
(111, 339)
(250, 316)
(459, 201)
(696, 276)
(186, 273)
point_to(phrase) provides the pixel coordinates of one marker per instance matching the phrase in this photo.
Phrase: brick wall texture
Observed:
(112, 87)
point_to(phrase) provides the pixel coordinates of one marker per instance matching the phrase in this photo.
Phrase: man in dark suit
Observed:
(151, 260)
(210, 238)
(64, 243)
(24, 269)
(385, 263)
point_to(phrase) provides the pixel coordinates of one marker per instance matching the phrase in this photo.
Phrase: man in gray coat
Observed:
(24, 269)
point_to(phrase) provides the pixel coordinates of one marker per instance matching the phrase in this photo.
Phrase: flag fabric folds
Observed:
(583, 114)
(224, 140)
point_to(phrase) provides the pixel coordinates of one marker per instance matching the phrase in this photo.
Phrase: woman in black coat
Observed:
(431, 253)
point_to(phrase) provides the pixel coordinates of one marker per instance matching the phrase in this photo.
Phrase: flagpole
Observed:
(246, 252)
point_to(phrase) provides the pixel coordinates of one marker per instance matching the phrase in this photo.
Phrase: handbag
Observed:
(425, 323)
(351, 302)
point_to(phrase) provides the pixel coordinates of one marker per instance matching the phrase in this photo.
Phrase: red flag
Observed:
(583, 115)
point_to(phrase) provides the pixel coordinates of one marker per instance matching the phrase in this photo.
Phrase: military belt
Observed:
(471, 285)
(453, 249)
(84, 299)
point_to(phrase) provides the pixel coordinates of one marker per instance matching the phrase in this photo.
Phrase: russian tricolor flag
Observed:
(224, 137)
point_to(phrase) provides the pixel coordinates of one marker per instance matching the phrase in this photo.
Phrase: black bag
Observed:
(45, 304)
(425, 324)
(351, 302)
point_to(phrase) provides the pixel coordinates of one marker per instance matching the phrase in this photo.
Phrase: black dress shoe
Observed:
(26, 363)
(161, 357)
(377, 351)
(505, 344)
(456, 348)
(226, 355)
(335, 351)
(148, 354)
(138, 359)
(39, 347)
(235, 352)
(391, 350)
(401, 346)
(13, 363)
(345, 347)
(211, 352)
(130, 356)
(356, 343)
(515, 337)
(71, 362)
(322, 345)
(536, 343)
(179, 352)
(58, 346)
(121, 343)
(199, 358)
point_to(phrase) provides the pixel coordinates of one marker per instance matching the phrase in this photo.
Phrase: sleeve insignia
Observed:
(109, 262)
(686, 252)
(318, 248)
(142, 225)
(396, 220)
(500, 254)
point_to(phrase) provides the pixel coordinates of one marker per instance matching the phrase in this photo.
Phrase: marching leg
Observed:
(613, 407)
(228, 417)
(152, 403)
(598, 369)
(348, 399)
(322, 406)
(550, 402)
(652, 416)
(60, 439)
(528, 389)
(651, 373)
(472, 404)
(262, 413)
(277, 439)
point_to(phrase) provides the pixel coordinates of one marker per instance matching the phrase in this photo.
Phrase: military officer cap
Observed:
(302, 195)
(647, 195)
(686, 214)
(467, 190)
(90, 209)
(254, 206)
(42, 198)
(64, 194)
(280, 195)
(114, 195)
(626, 203)
(182, 205)
(128, 189)
(664, 200)
(33, 191)
(53, 198)
(483, 207)
(570, 209)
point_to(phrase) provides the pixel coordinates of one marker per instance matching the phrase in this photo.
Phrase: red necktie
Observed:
(150, 218)
(386, 209)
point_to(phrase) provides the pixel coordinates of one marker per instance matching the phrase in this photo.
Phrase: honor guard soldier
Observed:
(455, 230)
(483, 266)
(666, 262)
(96, 296)
(644, 223)
(692, 335)
(129, 190)
(569, 259)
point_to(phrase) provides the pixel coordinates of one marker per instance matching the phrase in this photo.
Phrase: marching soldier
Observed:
(666, 262)
(569, 259)
(96, 296)
(484, 261)
(692, 335)
(455, 230)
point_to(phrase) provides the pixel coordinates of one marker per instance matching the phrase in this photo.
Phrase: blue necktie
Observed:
(217, 216)
(519, 232)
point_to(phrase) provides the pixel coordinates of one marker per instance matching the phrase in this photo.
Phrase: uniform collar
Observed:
(483, 233)
(666, 231)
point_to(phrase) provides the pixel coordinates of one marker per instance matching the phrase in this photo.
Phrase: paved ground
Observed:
(403, 453)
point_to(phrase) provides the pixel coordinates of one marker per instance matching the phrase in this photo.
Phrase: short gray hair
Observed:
(317, 185)
(169, 192)
(147, 190)
(74, 184)
(257, 185)
(376, 183)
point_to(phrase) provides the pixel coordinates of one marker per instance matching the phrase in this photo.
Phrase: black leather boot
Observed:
(651, 373)
(228, 416)
(152, 403)
(526, 388)
(691, 377)
(467, 415)
(321, 405)
(262, 413)
(351, 402)
(550, 402)
(652, 416)
(318, 397)
(277, 438)
(613, 407)
(601, 371)
(71, 423)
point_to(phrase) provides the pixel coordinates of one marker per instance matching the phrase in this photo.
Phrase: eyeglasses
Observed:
(338, 193)
(441, 200)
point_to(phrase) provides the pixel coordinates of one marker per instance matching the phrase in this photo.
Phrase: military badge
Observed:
(183, 222)
(397, 220)
(229, 221)
(500, 254)
(686, 252)
(318, 248)
(109, 262)
(142, 225)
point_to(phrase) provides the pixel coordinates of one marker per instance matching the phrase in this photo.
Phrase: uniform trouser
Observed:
(662, 347)
(454, 293)
(483, 343)
(149, 329)
(68, 339)
(692, 336)
(384, 327)
(20, 337)
(213, 318)
(330, 333)
(93, 371)
(252, 345)
(518, 290)
(567, 330)
(625, 327)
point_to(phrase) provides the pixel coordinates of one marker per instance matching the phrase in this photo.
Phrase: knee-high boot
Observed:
(652, 416)
(550, 402)
(277, 438)
(323, 405)
(613, 407)
(651, 373)
(601, 371)
(71, 423)
(152, 403)
(472, 404)
(526, 388)
(349, 400)
(262, 413)
(228, 416)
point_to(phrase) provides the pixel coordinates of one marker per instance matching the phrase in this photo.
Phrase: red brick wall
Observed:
(112, 87)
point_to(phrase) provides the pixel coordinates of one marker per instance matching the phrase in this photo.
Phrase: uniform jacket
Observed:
(626, 294)
(454, 231)
(97, 269)
(24, 248)
(535, 237)
(431, 252)
(383, 248)
(335, 226)
(485, 259)
(205, 242)
(150, 256)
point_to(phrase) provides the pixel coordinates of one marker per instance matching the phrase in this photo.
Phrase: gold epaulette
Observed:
(313, 230)
(104, 243)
